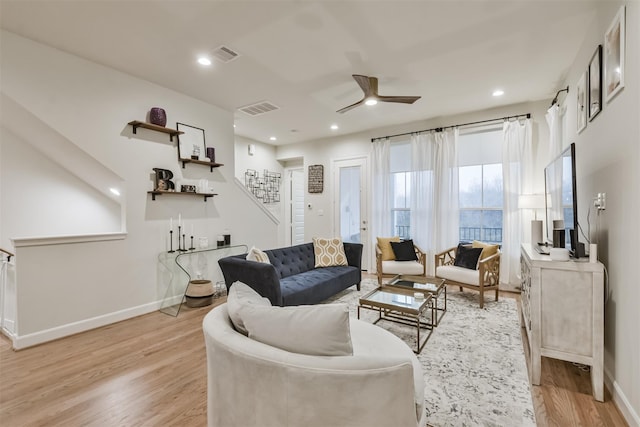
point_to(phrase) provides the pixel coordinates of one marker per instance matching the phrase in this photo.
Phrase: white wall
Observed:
(608, 160)
(88, 106)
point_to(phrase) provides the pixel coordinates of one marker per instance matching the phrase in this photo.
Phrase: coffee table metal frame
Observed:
(399, 313)
(435, 294)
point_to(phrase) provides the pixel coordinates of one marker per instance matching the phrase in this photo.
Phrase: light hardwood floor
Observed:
(151, 371)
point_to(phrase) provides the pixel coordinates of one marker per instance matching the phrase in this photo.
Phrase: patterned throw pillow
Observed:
(329, 252)
(257, 255)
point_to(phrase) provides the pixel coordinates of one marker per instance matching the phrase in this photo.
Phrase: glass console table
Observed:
(177, 269)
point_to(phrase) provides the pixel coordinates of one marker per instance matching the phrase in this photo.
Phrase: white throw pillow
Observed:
(318, 330)
(241, 295)
(257, 255)
(329, 252)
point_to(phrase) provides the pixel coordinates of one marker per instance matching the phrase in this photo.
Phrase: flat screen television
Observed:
(561, 200)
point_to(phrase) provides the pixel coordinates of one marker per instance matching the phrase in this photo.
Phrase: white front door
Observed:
(351, 214)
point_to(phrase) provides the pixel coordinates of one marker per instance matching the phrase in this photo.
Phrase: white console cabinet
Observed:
(563, 312)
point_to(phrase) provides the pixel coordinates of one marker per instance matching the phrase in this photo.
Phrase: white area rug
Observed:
(474, 365)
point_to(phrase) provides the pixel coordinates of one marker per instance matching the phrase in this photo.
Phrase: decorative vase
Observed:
(211, 154)
(158, 116)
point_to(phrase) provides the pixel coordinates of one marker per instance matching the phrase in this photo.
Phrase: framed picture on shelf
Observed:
(595, 83)
(191, 144)
(581, 98)
(614, 41)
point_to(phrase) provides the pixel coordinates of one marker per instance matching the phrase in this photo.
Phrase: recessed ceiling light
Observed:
(272, 138)
(115, 191)
(334, 127)
(498, 92)
(204, 61)
(371, 101)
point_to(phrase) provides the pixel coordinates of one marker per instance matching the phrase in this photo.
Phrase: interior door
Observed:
(296, 206)
(351, 214)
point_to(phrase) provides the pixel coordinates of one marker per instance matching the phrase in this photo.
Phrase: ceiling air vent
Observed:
(225, 54)
(258, 108)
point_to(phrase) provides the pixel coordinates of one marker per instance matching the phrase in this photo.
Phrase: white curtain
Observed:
(516, 179)
(434, 192)
(554, 121)
(380, 224)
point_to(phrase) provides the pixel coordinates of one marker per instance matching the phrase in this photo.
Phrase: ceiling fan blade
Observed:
(402, 99)
(365, 84)
(345, 109)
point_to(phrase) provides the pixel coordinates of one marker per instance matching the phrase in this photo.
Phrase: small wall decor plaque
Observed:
(316, 179)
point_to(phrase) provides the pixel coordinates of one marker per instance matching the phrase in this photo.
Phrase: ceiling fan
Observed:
(369, 86)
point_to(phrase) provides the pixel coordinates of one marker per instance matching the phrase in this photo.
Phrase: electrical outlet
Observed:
(600, 201)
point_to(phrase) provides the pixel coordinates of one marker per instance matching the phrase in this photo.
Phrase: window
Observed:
(480, 181)
(400, 162)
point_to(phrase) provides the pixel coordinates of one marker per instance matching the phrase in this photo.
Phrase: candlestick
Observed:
(179, 221)
(184, 245)
(171, 242)
(171, 223)
(191, 248)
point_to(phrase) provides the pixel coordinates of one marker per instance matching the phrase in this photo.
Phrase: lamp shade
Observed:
(531, 201)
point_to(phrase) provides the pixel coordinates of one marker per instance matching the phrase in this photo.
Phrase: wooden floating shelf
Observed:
(180, 193)
(201, 162)
(138, 124)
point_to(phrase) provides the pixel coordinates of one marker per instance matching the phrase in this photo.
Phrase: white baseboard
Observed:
(621, 401)
(29, 340)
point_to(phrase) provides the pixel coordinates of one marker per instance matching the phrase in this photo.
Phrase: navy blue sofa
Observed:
(291, 277)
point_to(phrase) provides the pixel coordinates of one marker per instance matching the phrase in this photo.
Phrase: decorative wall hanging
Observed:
(614, 40)
(595, 83)
(316, 179)
(265, 188)
(581, 102)
(191, 144)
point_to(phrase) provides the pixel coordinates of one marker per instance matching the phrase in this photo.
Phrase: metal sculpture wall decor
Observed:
(265, 188)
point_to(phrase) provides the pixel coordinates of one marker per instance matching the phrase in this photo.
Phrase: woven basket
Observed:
(199, 293)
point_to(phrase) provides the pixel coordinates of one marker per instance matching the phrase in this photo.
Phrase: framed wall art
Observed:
(316, 179)
(614, 46)
(595, 83)
(581, 98)
(191, 144)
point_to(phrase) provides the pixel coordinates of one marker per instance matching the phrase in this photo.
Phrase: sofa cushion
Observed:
(328, 252)
(317, 330)
(458, 274)
(487, 249)
(257, 255)
(467, 257)
(404, 251)
(240, 295)
(384, 243)
(413, 268)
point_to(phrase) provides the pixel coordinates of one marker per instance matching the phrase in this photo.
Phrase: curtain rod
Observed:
(440, 129)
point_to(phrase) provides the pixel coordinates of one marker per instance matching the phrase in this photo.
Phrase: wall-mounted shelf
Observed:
(180, 193)
(201, 162)
(138, 124)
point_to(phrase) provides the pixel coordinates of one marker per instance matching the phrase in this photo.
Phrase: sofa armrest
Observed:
(353, 252)
(261, 277)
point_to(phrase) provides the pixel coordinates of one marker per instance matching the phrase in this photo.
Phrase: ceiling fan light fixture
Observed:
(371, 101)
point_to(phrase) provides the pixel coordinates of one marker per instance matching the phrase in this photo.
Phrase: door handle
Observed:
(364, 229)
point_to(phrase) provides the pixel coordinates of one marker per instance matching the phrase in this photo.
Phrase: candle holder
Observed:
(184, 246)
(192, 248)
(181, 248)
(171, 242)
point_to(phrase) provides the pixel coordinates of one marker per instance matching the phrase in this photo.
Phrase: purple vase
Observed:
(158, 116)
(211, 154)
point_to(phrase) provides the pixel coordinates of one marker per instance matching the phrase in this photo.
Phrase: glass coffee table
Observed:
(401, 306)
(426, 284)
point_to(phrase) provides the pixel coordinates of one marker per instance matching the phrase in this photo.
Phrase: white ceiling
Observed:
(299, 55)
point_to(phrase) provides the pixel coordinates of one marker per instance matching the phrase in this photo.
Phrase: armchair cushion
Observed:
(404, 251)
(461, 275)
(487, 249)
(384, 243)
(412, 268)
(467, 257)
(316, 330)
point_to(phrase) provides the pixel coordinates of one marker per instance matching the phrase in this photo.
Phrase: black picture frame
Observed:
(595, 84)
(191, 144)
(614, 55)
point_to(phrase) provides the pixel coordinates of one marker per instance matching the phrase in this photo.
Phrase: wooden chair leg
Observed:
(460, 288)
(496, 294)
(481, 297)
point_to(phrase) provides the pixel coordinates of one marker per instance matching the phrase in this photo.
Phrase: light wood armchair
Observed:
(485, 278)
(393, 268)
